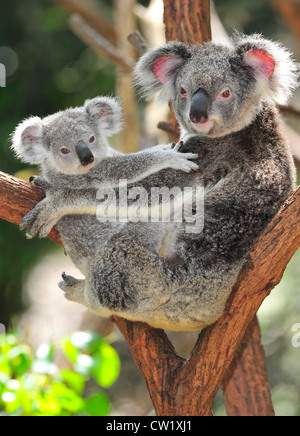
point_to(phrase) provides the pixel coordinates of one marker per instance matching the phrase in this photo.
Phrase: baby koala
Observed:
(73, 152)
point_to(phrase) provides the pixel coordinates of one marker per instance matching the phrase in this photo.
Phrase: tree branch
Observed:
(91, 16)
(290, 11)
(99, 44)
(248, 371)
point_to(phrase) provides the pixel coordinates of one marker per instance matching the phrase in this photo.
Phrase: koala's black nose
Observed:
(84, 153)
(199, 107)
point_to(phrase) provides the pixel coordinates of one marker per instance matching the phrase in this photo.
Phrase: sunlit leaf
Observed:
(67, 399)
(45, 352)
(86, 340)
(70, 350)
(84, 364)
(106, 366)
(20, 358)
(74, 380)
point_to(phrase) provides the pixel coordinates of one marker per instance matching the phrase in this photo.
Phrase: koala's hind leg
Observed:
(79, 291)
(126, 277)
(73, 288)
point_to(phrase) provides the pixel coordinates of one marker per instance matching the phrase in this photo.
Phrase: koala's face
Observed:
(217, 90)
(74, 144)
(72, 141)
(210, 97)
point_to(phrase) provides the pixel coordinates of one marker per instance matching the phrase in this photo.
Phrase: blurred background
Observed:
(53, 61)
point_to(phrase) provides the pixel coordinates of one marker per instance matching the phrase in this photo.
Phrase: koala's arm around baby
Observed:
(70, 195)
(132, 167)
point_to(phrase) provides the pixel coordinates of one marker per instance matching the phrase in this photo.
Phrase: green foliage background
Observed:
(49, 69)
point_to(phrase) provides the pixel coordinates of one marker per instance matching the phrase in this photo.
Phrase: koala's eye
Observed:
(183, 93)
(92, 139)
(224, 95)
(65, 151)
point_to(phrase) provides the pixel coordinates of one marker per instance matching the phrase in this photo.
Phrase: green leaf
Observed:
(106, 368)
(20, 358)
(45, 352)
(67, 399)
(97, 405)
(74, 380)
(84, 364)
(70, 350)
(86, 340)
(48, 404)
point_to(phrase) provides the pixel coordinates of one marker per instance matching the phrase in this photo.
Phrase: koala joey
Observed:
(224, 99)
(72, 150)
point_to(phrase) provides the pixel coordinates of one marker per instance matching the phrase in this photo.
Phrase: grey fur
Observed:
(177, 280)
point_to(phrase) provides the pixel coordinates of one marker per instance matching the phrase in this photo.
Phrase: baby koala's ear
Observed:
(27, 141)
(106, 112)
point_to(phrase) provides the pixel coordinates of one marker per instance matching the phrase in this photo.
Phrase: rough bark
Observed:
(187, 20)
(245, 386)
(17, 198)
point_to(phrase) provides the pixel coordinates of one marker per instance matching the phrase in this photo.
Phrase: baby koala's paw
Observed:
(40, 218)
(40, 182)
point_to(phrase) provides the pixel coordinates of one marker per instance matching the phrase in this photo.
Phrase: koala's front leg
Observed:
(40, 182)
(43, 217)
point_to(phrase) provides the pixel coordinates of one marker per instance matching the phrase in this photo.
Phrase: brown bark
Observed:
(245, 386)
(17, 198)
(187, 21)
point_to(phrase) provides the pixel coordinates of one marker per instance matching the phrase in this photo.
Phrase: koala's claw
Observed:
(73, 288)
(69, 280)
(28, 219)
(40, 182)
(46, 229)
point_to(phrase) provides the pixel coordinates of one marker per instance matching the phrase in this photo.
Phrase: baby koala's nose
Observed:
(84, 154)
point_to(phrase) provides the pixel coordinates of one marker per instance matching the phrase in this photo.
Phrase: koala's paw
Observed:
(40, 218)
(73, 288)
(40, 182)
(182, 161)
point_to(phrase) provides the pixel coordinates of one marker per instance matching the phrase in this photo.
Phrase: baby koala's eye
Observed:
(92, 139)
(183, 93)
(224, 95)
(65, 151)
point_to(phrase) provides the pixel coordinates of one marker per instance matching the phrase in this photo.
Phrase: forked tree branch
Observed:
(187, 387)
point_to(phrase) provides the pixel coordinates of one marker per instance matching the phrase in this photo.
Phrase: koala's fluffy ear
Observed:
(106, 112)
(271, 65)
(156, 70)
(27, 141)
